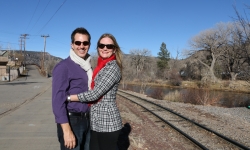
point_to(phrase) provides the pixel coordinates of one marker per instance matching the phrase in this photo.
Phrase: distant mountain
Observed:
(32, 57)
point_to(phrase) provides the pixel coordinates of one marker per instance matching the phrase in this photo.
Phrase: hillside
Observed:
(30, 57)
(34, 57)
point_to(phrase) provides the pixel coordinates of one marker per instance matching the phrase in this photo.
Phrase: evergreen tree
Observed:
(164, 57)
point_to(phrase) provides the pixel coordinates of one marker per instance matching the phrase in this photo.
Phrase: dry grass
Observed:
(222, 85)
(173, 96)
(194, 96)
(155, 83)
(227, 85)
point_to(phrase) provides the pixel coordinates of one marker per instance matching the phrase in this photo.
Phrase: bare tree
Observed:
(174, 63)
(214, 41)
(19, 58)
(245, 38)
(234, 58)
(50, 65)
(94, 57)
(139, 59)
(141, 62)
(127, 72)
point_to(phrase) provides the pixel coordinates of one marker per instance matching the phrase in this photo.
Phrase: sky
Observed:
(136, 24)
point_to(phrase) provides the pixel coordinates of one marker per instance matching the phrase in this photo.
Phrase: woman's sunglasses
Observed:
(85, 43)
(109, 46)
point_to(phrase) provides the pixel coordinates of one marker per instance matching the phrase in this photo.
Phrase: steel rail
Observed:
(210, 130)
(178, 130)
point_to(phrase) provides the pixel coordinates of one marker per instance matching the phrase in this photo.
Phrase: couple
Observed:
(82, 98)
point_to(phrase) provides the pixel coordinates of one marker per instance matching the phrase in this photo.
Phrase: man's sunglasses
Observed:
(109, 46)
(85, 43)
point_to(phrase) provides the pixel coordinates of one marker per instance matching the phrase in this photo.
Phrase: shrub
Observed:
(199, 84)
(202, 84)
(200, 97)
(175, 78)
(175, 82)
(226, 83)
(157, 93)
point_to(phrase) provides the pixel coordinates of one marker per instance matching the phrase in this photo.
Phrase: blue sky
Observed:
(136, 24)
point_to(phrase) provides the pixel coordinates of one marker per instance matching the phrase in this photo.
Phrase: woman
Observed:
(105, 119)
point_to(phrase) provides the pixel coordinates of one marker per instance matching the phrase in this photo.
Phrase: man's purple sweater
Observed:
(68, 78)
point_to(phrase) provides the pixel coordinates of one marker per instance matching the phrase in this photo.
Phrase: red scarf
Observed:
(100, 64)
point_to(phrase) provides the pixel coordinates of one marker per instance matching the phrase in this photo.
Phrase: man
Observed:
(72, 76)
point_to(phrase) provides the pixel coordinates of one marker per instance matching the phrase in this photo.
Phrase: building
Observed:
(10, 65)
(4, 75)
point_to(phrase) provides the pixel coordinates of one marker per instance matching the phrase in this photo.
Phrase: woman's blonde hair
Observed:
(118, 51)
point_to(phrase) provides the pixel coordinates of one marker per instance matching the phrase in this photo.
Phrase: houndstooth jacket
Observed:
(104, 115)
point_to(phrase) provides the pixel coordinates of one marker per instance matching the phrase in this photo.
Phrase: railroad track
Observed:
(191, 130)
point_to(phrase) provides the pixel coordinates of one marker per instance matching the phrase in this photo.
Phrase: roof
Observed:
(2, 52)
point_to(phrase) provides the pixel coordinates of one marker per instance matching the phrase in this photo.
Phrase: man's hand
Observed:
(68, 135)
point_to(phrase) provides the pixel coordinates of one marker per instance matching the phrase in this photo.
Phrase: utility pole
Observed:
(24, 37)
(21, 44)
(43, 62)
(41, 59)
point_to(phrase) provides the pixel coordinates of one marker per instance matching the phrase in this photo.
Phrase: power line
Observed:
(53, 15)
(41, 15)
(8, 42)
(8, 32)
(33, 14)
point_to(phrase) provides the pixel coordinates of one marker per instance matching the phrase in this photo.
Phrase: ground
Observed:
(148, 134)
